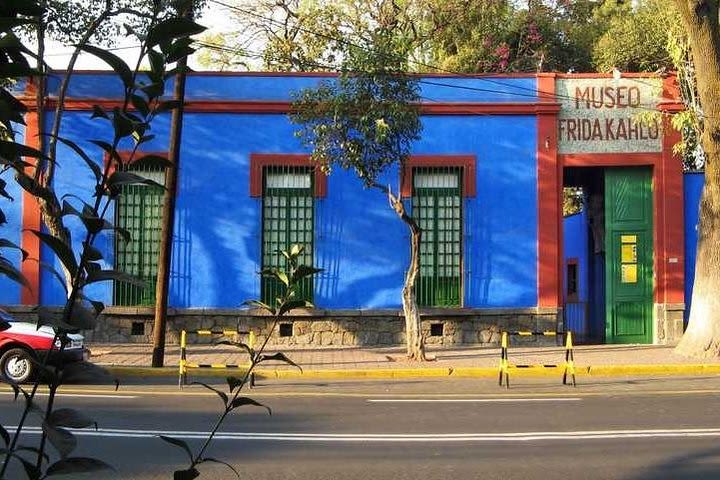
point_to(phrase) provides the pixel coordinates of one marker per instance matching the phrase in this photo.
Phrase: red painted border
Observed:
(668, 220)
(282, 106)
(549, 173)
(31, 220)
(260, 160)
(671, 277)
(466, 162)
(609, 159)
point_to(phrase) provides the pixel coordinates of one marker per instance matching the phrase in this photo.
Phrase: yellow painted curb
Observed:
(435, 372)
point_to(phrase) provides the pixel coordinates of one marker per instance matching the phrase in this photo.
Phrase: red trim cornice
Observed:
(260, 160)
(259, 106)
(610, 159)
(466, 162)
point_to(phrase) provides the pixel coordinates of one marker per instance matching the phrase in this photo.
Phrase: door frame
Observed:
(612, 262)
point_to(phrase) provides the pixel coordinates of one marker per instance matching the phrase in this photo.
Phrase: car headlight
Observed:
(58, 343)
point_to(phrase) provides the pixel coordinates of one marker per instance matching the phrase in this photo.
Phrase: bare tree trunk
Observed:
(413, 327)
(702, 337)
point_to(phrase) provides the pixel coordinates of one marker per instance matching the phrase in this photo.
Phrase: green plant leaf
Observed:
(140, 104)
(92, 253)
(242, 401)
(171, 29)
(8, 270)
(188, 474)
(34, 187)
(68, 417)
(293, 304)
(5, 243)
(240, 345)
(220, 394)
(73, 465)
(32, 472)
(94, 167)
(5, 435)
(278, 357)
(107, 275)
(296, 250)
(99, 112)
(303, 271)
(178, 443)
(61, 249)
(119, 178)
(260, 305)
(115, 62)
(233, 383)
(215, 460)
(82, 318)
(277, 274)
(46, 317)
(63, 441)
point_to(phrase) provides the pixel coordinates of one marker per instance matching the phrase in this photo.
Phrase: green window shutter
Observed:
(287, 219)
(437, 207)
(139, 211)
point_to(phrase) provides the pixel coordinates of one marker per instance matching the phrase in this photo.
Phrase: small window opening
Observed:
(436, 329)
(286, 330)
(137, 328)
(572, 281)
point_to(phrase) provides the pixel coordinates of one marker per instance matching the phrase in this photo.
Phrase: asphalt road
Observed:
(414, 429)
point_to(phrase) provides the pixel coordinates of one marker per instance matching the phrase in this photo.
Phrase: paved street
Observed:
(612, 428)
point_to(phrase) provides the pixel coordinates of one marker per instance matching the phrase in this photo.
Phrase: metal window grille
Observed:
(139, 211)
(288, 219)
(437, 207)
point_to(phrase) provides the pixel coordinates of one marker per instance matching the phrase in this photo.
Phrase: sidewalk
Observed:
(391, 362)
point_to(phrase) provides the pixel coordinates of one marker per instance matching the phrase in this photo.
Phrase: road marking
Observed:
(399, 438)
(197, 392)
(472, 400)
(78, 395)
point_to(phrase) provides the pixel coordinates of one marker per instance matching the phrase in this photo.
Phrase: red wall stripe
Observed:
(31, 220)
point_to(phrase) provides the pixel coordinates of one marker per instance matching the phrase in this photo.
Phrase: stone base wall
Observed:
(320, 328)
(669, 323)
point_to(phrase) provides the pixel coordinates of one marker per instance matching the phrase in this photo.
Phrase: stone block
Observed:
(326, 338)
(301, 327)
(349, 338)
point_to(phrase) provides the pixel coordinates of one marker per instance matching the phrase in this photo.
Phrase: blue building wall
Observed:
(12, 230)
(360, 243)
(575, 245)
(693, 187)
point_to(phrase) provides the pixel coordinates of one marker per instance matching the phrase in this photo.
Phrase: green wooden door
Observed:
(628, 255)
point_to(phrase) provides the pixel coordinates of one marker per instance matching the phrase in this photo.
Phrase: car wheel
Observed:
(16, 365)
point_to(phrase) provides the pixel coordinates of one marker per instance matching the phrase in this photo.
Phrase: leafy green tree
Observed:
(638, 40)
(366, 121)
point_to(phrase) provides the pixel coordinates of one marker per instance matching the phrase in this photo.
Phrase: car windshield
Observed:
(6, 317)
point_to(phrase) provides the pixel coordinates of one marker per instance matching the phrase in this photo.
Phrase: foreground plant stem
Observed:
(228, 408)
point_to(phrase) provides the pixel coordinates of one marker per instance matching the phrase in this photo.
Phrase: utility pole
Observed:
(168, 215)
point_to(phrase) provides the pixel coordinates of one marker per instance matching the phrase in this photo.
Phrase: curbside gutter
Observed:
(437, 372)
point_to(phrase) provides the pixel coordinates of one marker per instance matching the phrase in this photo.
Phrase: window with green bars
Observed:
(437, 207)
(288, 219)
(139, 211)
